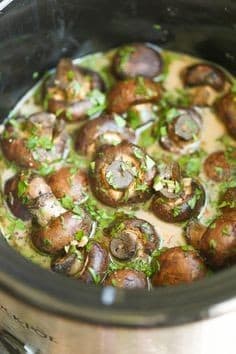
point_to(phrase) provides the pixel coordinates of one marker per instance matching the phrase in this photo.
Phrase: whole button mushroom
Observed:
(96, 264)
(60, 232)
(203, 74)
(34, 141)
(220, 165)
(132, 237)
(185, 203)
(178, 265)
(70, 264)
(226, 109)
(67, 92)
(127, 278)
(182, 134)
(122, 174)
(70, 182)
(12, 195)
(105, 130)
(136, 60)
(218, 243)
(124, 94)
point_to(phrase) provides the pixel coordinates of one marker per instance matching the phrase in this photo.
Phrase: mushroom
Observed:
(127, 278)
(178, 265)
(226, 109)
(182, 134)
(136, 60)
(60, 232)
(203, 74)
(228, 200)
(69, 181)
(12, 196)
(132, 237)
(194, 233)
(132, 92)
(140, 114)
(220, 165)
(70, 264)
(183, 201)
(122, 174)
(218, 243)
(95, 265)
(67, 92)
(105, 130)
(37, 197)
(36, 140)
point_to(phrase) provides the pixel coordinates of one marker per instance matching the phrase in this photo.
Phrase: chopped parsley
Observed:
(120, 121)
(98, 101)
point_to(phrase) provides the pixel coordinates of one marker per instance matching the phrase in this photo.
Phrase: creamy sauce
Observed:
(171, 234)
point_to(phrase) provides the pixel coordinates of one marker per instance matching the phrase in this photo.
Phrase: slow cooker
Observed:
(41, 312)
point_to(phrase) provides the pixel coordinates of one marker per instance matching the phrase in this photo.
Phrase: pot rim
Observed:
(109, 306)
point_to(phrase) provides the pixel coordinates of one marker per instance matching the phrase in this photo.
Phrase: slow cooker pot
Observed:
(41, 312)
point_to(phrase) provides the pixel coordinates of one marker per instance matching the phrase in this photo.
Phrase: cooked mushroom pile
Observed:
(113, 173)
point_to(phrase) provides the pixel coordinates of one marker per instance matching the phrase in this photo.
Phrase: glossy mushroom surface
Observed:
(60, 232)
(136, 60)
(228, 200)
(96, 264)
(219, 166)
(69, 182)
(178, 266)
(182, 134)
(66, 93)
(127, 278)
(202, 74)
(12, 196)
(122, 174)
(131, 92)
(218, 244)
(180, 205)
(36, 140)
(132, 237)
(105, 130)
(226, 108)
(70, 264)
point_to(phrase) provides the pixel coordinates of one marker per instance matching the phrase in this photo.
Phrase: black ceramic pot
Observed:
(51, 314)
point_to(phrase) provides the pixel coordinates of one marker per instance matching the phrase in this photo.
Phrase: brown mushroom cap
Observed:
(33, 141)
(202, 74)
(131, 92)
(122, 174)
(96, 264)
(228, 200)
(226, 108)
(218, 243)
(127, 278)
(100, 131)
(217, 166)
(132, 237)
(66, 92)
(15, 149)
(60, 232)
(194, 233)
(15, 204)
(70, 264)
(67, 182)
(136, 60)
(178, 266)
(183, 133)
(186, 204)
